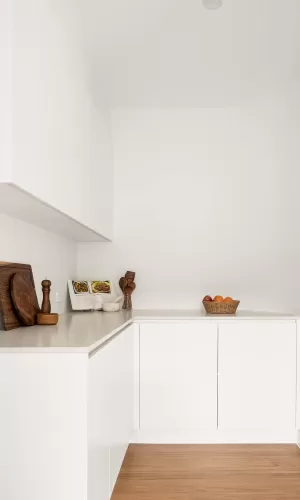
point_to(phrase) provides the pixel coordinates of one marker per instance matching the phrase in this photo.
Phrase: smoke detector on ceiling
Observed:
(212, 4)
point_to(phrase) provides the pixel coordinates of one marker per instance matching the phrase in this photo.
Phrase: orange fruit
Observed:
(228, 299)
(218, 298)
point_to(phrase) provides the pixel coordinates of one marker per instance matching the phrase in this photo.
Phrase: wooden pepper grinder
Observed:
(46, 304)
(45, 317)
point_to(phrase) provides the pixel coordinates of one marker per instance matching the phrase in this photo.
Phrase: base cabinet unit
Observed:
(66, 421)
(110, 412)
(218, 381)
(178, 378)
(257, 379)
(43, 452)
(298, 384)
(69, 414)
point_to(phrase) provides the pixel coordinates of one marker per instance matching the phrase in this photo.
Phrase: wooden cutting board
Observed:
(8, 316)
(24, 298)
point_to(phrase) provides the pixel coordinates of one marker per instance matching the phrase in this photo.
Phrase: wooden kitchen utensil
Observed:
(46, 304)
(127, 286)
(8, 315)
(47, 318)
(24, 298)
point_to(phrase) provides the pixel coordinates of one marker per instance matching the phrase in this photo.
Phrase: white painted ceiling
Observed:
(177, 53)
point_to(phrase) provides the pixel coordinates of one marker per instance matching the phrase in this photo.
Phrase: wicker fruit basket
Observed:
(221, 307)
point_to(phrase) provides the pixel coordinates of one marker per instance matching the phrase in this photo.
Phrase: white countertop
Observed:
(83, 332)
(145, 315)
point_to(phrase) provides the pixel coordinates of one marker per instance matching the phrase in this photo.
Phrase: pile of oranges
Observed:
(218, 298)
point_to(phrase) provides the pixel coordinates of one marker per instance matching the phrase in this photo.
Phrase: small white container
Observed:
(111, 306)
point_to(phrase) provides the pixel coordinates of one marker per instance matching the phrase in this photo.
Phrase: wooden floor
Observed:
(215, 472)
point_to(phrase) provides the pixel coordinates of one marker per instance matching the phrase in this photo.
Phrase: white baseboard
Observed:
(202, 436)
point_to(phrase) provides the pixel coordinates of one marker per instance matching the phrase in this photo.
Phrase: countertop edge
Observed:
(87, 350)
(140, 317)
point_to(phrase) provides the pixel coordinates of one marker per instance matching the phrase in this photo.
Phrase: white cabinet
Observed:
(257, 376)
(67, 418)
(122, 400)
(229, 381)
(55, 140)
(43, 453)
(99, 411)
(298, 384)
(66, 421)
(110, 412)
(6, 101)
(178, 376)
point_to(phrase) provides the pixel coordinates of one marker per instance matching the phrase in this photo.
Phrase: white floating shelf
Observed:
(22, 205)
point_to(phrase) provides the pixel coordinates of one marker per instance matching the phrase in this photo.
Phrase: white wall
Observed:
(5, 90)
(49, 255)
(206, 202)
(62, 145)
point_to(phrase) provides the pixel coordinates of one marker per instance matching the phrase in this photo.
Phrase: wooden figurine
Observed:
(45, 317)
(127, 286)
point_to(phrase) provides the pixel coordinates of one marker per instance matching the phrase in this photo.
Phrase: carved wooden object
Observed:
(127, 286)
(8, 316)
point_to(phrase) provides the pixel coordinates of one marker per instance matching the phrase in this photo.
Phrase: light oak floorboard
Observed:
(210, 472)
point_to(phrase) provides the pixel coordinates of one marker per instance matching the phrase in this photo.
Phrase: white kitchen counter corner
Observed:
(72, 400)
(83, 332)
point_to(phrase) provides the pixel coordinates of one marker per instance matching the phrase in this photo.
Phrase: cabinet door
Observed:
(257, 375)
(122, 399)
(298, 383)
(178, 376)
(110, 412)
(99, 424)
